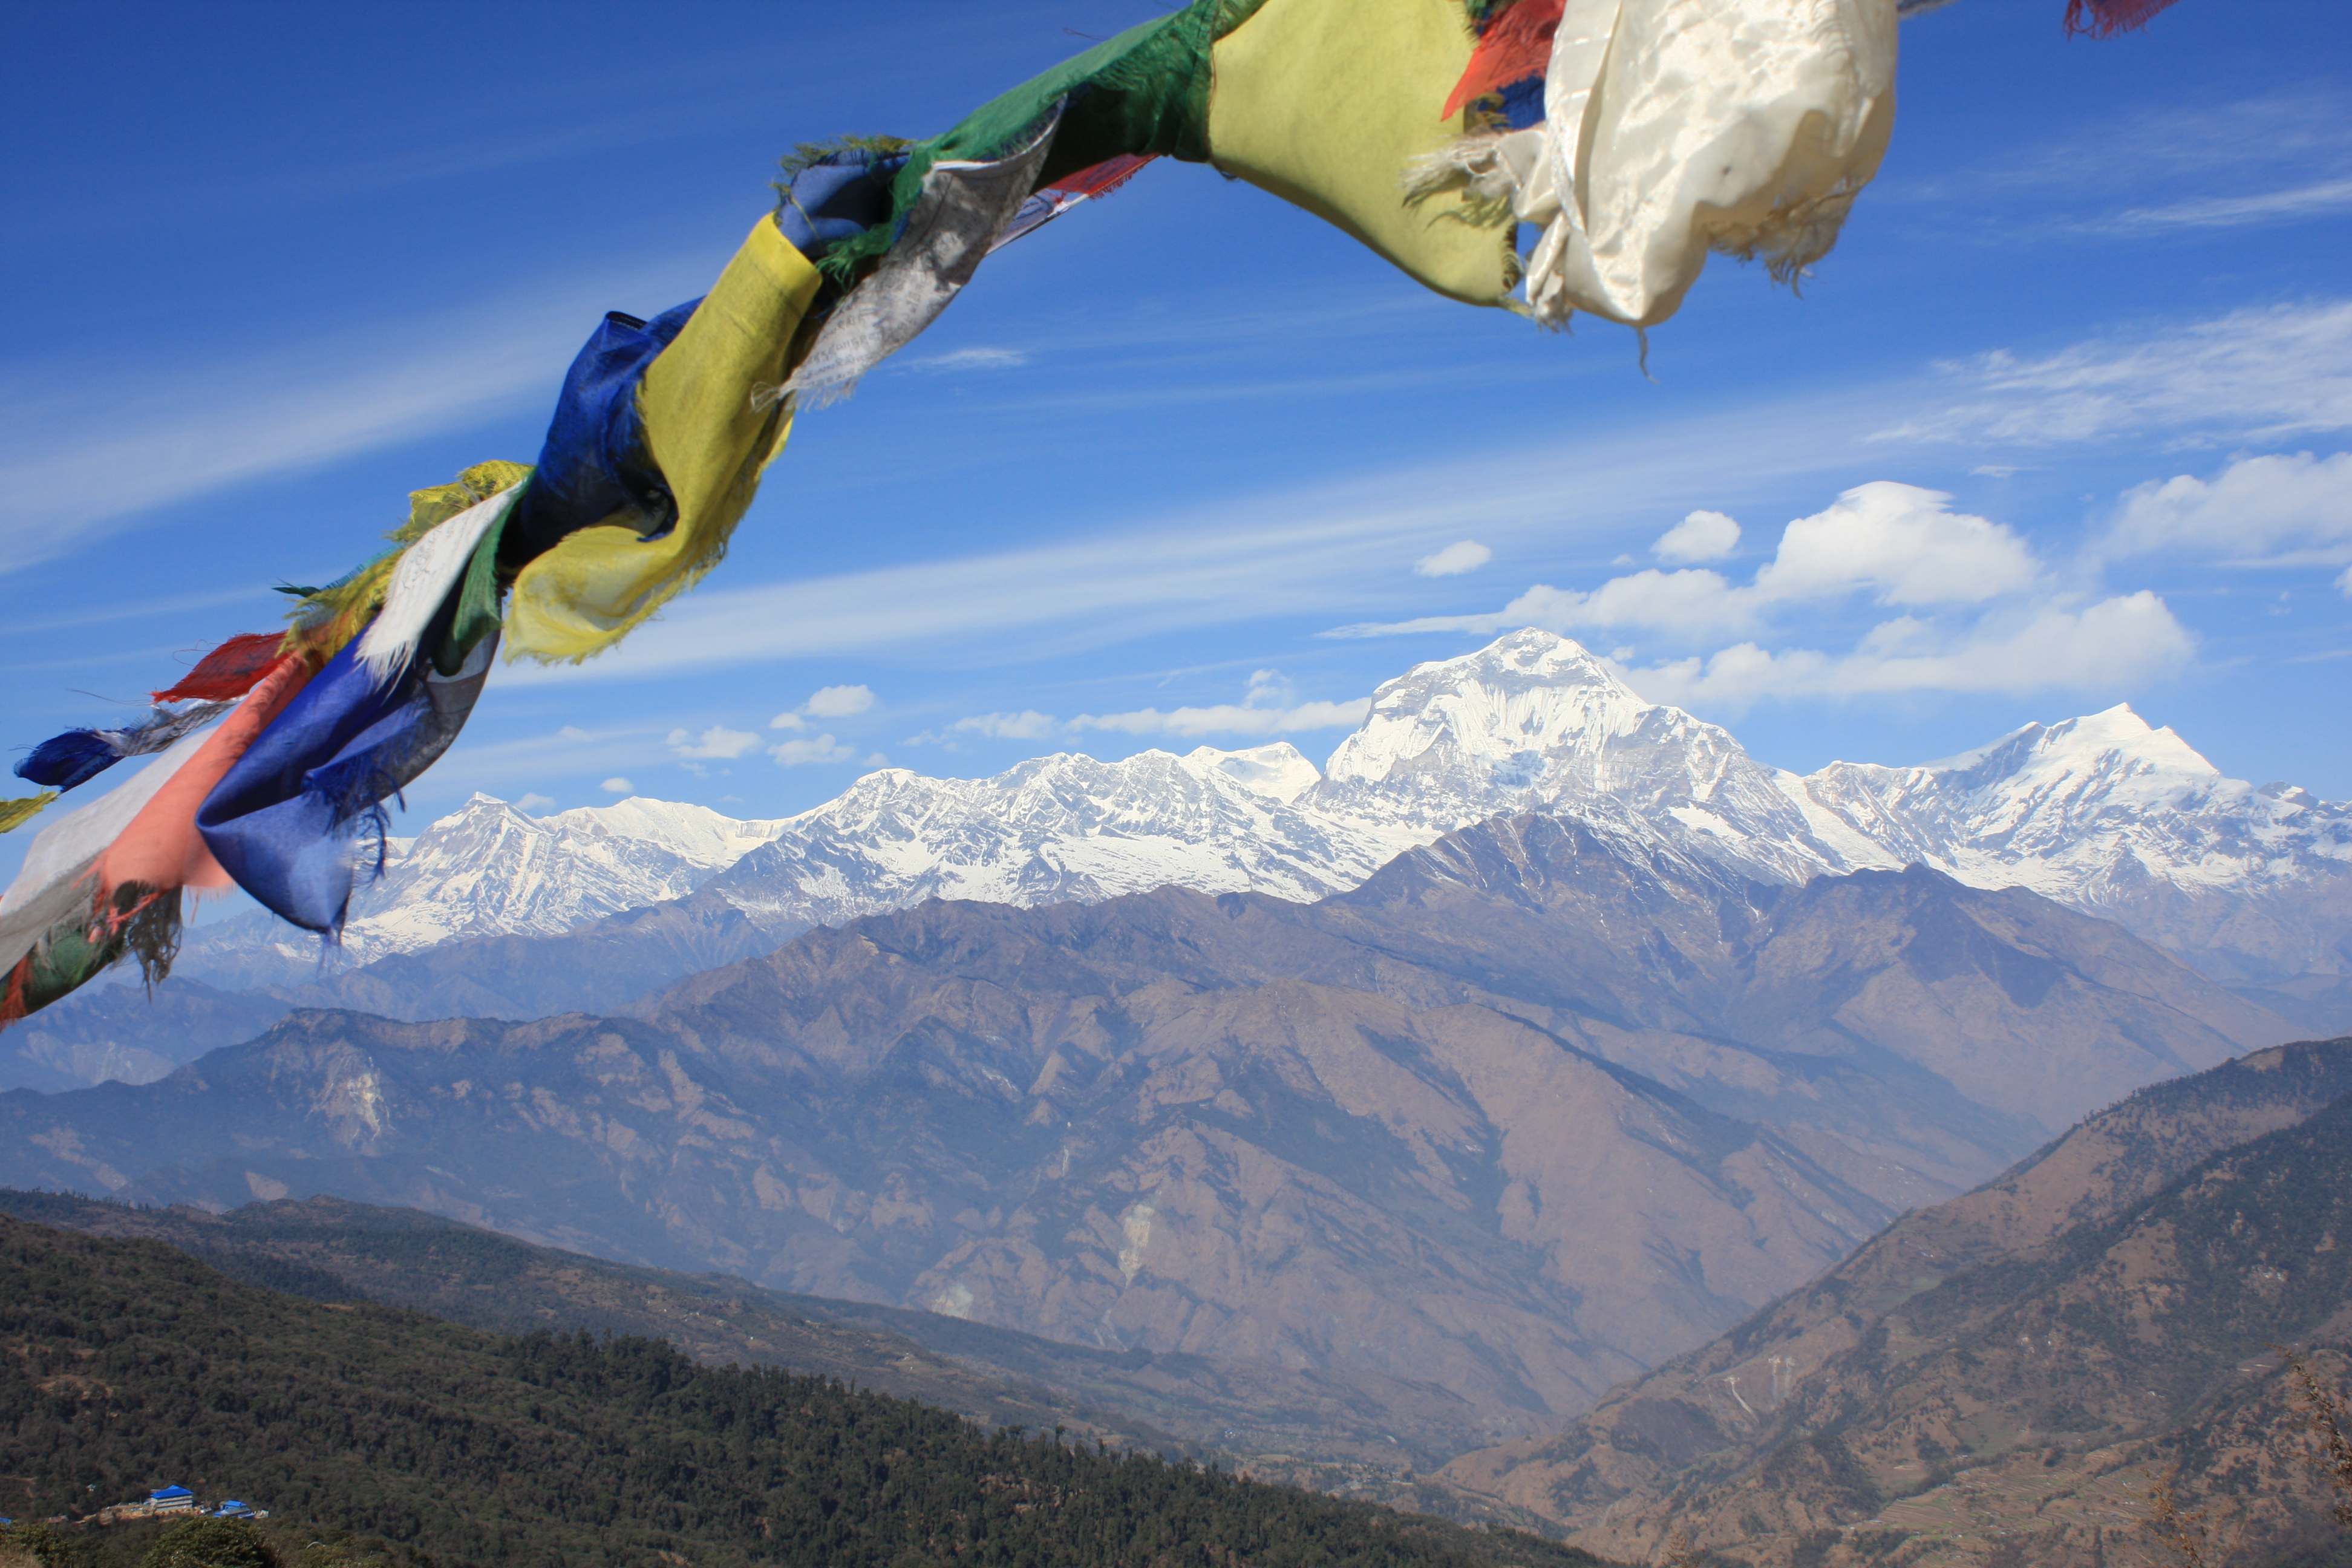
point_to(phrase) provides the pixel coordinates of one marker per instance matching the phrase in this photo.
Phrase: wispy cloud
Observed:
(1314, 549)
(968, 359)
(2261, 374)
(2281, 141)
(1898, 543)
(1230, 719)
(1325, 549)
(2268, 511)
(1268, 707)
(2112, 643)
(261, 600)
(2237, 212)
(1462, 555)
(90, 450)
(809, 748)
(718, 743)
(1028, 724)
(570, 752)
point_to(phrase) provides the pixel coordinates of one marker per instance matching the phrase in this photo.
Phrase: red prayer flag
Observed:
(229, 671)
(1515, 47)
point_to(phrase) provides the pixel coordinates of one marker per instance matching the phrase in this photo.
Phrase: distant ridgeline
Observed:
(121, 1360)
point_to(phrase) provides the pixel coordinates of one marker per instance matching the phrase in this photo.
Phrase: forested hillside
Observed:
(124, 1364)
(1280, 1424)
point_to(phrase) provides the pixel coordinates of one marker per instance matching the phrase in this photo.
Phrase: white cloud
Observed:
(969, 359)
(1902, 542)
(2344, 583)
(2289, 147)
(529, 760)
(718, 742)
(1701, 536)
(1694, 600)
(1230, 719)
(1901, 545)
(2259, 374)
(838, 701)
(1026, 725)
(95, 446)
(1462, 555)
(2313, 200)
(1978, 613)
(2112, 643)
(2257, 506)
(825, 702)
(534, 803)
(814, 749)
(618, 785)
(1268, 707)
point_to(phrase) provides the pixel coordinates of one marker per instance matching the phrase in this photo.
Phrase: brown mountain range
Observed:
(1530, 1111)
(2000, 1378)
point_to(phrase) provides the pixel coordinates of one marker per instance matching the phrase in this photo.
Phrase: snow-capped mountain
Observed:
(1059, 828)
(2102, 813)
(2111, 816)
(487, 869)
(2105, 813)
(1532, 722)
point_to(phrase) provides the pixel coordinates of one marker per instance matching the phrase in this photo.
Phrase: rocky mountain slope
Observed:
(1531, 1110)
(2004, 1373)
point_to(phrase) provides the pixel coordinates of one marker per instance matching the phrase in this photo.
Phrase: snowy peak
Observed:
(1278, 772)
(1527, 696)
(1535, 722)
(487, 870)
(2105, 813)
(2112, 747)
(1066, 826)
(2112, 815)
(2045, 793)
(695, 833)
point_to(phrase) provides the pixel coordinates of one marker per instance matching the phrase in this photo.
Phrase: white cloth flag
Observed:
(427, 571)
(1676, 127)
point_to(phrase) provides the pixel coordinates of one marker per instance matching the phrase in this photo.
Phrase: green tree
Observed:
(35, 1544)
(211, 1543)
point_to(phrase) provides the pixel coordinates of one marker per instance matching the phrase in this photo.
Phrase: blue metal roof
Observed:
(170, 1491)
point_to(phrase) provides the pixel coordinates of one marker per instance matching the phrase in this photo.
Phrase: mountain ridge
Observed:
(1529, 1110)
(489, 910)
(1895, 1395)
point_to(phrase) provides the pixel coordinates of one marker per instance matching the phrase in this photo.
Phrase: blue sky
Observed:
(1163, 474)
